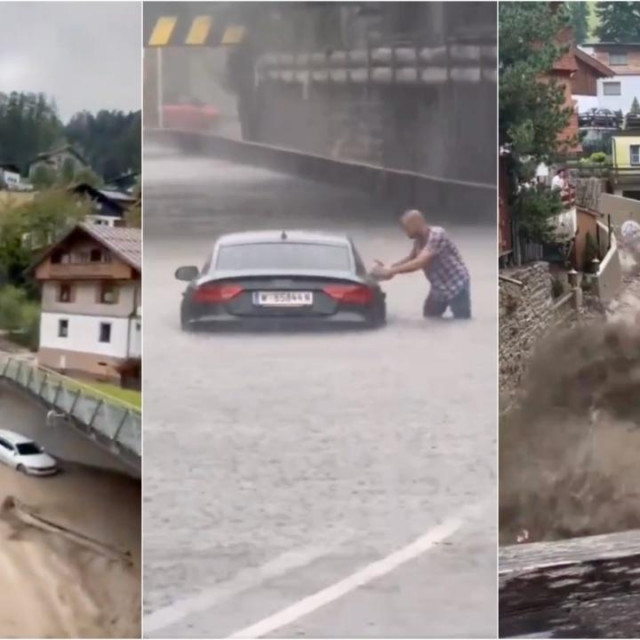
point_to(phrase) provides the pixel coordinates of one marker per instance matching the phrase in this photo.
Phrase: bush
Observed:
(19, 316)
(599, 157)
(533, 209)
(12, 303)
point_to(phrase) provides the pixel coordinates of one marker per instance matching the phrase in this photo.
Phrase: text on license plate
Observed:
(283, 298)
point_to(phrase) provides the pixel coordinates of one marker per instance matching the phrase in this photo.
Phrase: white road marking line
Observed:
(360, 578)
(245, 580)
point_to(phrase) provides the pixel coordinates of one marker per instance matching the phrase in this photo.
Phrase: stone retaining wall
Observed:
(527, 314)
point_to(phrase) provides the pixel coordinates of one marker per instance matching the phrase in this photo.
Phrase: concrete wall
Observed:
(83, 334)
(620, 209)
(443, 130)
(609, 281)
(459, 201)
(527, 313)
(135, 338)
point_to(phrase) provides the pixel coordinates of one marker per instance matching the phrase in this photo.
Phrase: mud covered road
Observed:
(569, 482)
(284, 473)
(52, 587)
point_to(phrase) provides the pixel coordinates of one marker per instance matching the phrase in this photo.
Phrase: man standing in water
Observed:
(436, 254)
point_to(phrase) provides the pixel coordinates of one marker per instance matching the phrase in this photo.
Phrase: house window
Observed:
(618, 59)
(611, 88)
(634, 152)
(63, 328)
(108, 293)
(96, 255)
(64, 293)
(81, 257)
(60, 257)
(105, 332)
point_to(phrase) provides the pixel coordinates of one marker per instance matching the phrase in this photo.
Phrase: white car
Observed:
(25, 455)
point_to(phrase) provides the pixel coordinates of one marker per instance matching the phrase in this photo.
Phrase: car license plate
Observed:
(283, 298)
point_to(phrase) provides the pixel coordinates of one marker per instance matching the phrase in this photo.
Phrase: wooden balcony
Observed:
(84, 271)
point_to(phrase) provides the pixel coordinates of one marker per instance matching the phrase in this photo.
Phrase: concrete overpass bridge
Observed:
(35, 398)
(400, 86)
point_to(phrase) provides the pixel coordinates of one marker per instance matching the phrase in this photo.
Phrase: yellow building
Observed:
(625, 152)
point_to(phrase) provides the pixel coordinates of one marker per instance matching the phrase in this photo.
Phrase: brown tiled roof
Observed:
(125, 242)
(599, 67)
(567, 62)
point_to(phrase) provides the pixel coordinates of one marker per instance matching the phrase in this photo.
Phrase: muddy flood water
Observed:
(53, 583)
(569, 454)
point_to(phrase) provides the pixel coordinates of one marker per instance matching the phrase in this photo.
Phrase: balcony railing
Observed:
(85, 270)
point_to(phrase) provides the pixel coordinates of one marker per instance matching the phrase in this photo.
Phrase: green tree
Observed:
(89, 177)
(29, 227)
(133, 216)
(19, 316)
(532, 109)
(109, 140)
(635, 107)
(43, 176)
(579, 20)
(12, 301)
(29, 124)
(532, 112)
(68, 172)
(618, 21)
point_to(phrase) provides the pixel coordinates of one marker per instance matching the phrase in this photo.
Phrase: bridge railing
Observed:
(109, 420)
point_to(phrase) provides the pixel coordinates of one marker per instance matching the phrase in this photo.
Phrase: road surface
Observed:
(52, 588)
(332, 485)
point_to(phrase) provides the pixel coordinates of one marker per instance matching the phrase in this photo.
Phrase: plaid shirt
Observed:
(446, 272)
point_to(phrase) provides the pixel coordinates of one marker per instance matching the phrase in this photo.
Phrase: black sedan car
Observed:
(281, 278)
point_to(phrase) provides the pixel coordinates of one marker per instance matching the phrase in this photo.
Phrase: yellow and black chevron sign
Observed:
(199, 31)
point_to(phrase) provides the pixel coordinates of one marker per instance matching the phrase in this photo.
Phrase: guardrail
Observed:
(112, 423)
(461, 200)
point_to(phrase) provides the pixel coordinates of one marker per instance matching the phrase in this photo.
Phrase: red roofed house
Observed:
(578, 73)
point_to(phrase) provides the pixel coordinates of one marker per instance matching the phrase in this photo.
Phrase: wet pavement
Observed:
(283, 472)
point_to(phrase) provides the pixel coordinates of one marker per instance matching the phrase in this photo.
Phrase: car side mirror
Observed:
(187, 274)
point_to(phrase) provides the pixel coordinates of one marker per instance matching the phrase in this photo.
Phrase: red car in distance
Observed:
(190, 117)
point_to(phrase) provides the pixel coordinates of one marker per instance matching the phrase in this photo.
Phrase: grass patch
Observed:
(129, 396)
(104, 390)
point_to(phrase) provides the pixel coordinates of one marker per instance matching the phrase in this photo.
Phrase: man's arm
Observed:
(421, 261)
(405, 260)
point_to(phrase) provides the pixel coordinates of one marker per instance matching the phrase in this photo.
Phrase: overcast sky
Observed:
(86, 55)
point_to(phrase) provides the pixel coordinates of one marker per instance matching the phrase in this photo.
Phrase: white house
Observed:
(91, 302)
(615, 93)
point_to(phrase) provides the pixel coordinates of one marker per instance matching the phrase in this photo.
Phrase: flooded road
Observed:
(336, 485)
(52, 587)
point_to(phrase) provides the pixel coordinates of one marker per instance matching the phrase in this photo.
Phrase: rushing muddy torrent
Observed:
(70, 555)
(569, 452)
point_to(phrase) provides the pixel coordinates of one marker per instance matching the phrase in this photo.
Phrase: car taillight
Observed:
(216, 293)
(350, 293)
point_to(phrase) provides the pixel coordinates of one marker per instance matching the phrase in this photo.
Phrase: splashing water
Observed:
(569, 452)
